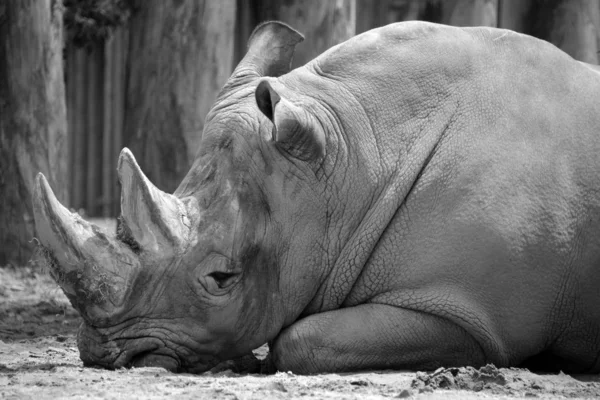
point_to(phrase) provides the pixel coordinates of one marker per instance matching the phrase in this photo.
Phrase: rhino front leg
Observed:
(373, 336)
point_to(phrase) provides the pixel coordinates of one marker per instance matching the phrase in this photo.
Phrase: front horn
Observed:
(155, 220)
(93, 270)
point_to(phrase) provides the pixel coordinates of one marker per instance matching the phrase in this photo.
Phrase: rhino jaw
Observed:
(93, 270)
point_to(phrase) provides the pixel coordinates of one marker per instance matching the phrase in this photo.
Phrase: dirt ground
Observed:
(39, 359)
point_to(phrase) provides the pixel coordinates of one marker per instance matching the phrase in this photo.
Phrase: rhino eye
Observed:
(222, 279)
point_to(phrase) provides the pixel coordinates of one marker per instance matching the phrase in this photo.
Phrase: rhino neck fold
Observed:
(360, 245)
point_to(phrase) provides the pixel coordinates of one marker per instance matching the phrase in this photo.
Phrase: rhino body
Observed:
(418, 196)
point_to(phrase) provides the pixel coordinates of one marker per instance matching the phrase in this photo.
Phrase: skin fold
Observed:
(418, 196)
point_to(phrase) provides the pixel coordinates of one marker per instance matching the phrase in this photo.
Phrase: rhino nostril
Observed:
(148, 359)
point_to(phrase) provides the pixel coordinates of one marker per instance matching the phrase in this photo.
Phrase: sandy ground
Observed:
(39, 359)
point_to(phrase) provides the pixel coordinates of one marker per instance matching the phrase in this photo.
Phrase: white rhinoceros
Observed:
(418, 196)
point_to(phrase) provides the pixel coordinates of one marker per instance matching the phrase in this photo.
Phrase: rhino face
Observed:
(191, 278)
(182, 281)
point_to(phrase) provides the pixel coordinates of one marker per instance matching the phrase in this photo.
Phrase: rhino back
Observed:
(499, 231)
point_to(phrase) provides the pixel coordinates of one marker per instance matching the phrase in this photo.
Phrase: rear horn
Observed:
(156, 220)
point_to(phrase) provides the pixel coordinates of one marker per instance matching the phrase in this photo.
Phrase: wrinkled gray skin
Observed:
(418, 196)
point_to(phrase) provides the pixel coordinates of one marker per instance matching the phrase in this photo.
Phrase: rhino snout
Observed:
(97, 349)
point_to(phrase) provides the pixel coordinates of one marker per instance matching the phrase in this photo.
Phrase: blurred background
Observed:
(80, 79)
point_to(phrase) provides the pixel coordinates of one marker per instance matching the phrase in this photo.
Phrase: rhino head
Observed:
(196, 277)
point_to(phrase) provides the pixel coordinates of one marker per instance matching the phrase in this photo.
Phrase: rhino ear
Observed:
(270, 52)
(271, 49)
(294, 129)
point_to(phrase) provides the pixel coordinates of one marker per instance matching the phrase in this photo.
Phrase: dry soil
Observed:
(39, 359)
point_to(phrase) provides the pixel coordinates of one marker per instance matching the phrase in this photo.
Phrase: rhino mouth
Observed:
(149, 355)
(126, 351)
(138, 353)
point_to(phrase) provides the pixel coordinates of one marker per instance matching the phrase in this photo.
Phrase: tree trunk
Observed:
(33, 125)
(595, 15)
(371, 14)
(180, 55)
(470, 12)
(569, 25)
(323, 23)
(513, 14)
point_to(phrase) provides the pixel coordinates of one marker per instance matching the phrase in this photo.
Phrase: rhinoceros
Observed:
(415, 197)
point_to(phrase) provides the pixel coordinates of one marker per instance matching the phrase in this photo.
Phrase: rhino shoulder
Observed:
(383, 52)
(419, 49)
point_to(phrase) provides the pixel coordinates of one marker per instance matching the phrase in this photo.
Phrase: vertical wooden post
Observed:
(569, 25)
(595, 14)
(92, 131)
(71, 117)
(246, 19)
(513, 14)
(371, 14)
(78, 128)
(118, 107)
(375, 13)
(574, 30)
(470, 12)
(107, 126)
